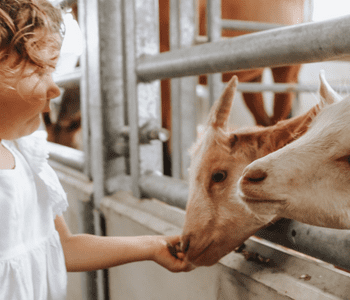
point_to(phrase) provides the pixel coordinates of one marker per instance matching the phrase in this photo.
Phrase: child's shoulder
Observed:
(34, 148)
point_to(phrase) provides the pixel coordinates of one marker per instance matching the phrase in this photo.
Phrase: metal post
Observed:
(183, 91)
(131, 93)
(214, 34)
(149, 108)
(174, 32)
(90, 91)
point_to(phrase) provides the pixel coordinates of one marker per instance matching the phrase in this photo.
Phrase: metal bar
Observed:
(81, 74)
(170, 190)
(92, 80)
(286, 88)
(88, 279)
(330, 245)
(176, 137)
(312, 42)
(248, 25)
(70, 157)
(94, 98)
(131, 92)
(214, 34)
(182, 34)
(75, 77)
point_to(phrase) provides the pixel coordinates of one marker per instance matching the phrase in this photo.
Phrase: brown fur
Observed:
(217, 220)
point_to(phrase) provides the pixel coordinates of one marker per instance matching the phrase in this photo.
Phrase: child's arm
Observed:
(85, 252)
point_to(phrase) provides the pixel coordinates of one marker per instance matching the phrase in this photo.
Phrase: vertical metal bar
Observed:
(174, 32)
(149, 108)
(89, 22)
(131, 92)
(187, 22)
(92, 83)
(214, 34)
(91, 75)
(182, 34)
(83, 92)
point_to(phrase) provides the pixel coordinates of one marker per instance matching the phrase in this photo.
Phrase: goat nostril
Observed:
(255, 176)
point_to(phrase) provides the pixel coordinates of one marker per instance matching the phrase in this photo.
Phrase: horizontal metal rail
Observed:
(74, 79)
(305, 43)
(67, 156)
(166, 189)
(248, 25)
(330, 245)
(287, 87)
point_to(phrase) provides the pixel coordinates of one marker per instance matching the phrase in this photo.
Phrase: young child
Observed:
(36, 247)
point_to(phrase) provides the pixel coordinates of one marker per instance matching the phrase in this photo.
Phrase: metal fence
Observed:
(119, 81)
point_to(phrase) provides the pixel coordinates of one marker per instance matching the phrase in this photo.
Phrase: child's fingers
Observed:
(173, 244)
(173, 240)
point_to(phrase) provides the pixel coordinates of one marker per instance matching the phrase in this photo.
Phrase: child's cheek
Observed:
(29, 89)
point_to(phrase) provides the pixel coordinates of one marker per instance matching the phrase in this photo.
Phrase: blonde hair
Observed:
(26, 26)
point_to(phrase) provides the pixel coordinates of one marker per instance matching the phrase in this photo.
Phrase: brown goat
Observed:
(217, 219)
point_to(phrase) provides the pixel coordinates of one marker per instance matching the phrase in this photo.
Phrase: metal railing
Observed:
(311, 42)
(297, 44)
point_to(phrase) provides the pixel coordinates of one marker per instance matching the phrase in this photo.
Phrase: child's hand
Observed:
(167, 256)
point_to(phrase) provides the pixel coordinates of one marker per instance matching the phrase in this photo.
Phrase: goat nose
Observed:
(254, 176)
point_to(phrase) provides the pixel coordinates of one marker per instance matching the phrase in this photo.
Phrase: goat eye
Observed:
(219, 176)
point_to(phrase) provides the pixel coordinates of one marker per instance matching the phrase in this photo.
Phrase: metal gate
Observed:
(120, 101)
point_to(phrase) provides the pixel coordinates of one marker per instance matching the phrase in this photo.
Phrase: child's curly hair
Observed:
(25, 27)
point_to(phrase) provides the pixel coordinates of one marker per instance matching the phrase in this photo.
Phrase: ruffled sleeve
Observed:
(35, 151)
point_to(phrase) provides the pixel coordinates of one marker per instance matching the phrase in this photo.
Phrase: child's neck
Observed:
(7, 161)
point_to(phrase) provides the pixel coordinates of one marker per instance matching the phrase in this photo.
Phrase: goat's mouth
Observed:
(260, 200)
(202, 258)
(264, 206)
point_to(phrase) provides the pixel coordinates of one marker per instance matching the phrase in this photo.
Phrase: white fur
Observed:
(312, 174)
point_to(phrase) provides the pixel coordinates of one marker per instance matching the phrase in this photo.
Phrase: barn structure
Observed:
(116, 185)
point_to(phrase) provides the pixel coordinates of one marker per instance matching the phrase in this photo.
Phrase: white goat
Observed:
(217, 220)
(308, 180)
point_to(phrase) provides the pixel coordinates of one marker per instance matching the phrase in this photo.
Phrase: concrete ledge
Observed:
(288, 274)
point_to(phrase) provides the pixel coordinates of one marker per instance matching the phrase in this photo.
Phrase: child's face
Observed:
(24, 97)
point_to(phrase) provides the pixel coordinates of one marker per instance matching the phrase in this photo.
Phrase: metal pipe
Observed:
(131, 92)
(70, 157)
(330, 245)
(74, 78)
(311, 42)
(286, 88)
(170, 190)
(175, 91)
(248, 25)
(214, 34)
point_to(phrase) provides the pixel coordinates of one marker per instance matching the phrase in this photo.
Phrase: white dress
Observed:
(32, 265)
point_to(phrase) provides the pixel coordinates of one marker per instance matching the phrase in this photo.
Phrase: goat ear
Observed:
(328, 95)
(221, 109)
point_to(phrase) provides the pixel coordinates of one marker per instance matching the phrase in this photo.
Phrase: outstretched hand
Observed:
(169, 256)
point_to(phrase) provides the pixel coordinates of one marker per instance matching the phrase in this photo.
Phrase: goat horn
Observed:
(328, 95)
(221, 109)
